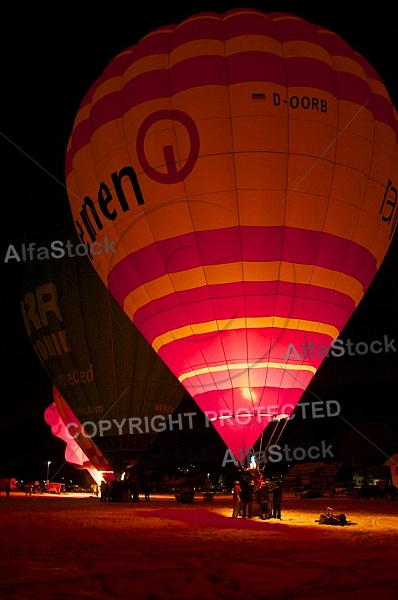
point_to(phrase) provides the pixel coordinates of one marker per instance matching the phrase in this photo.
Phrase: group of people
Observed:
(268, 495)
(7, 488)
(126, 490)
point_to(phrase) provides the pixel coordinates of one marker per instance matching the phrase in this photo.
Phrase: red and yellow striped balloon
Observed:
(244, 167)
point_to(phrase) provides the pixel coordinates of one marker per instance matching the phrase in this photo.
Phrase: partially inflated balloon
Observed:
(80, 451)
(245, 166)
(113, 381)
(73, 452)
(74, 432)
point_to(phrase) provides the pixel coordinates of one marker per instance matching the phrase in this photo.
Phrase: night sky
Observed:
(50, 55)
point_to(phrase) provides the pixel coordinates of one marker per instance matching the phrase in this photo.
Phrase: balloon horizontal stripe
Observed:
(237, 68)
(250, 26)
(269, 398)
(254, 43)
(232, 367)
(250, 345)
(222, 382)
(227, 311)
(248, 244)
(113, 71)
(257, 323)
(253, 344)
(145, 299)
(249, 379)
(242, 68)
(164, 288)
(252, 299)
(255, 46)
(215, 27)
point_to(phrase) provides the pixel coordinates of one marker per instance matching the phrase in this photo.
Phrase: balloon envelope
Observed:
(245, 166)
(112, 380)
(80, 451)
(74, 433)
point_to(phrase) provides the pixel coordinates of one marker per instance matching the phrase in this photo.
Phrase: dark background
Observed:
(51, 53)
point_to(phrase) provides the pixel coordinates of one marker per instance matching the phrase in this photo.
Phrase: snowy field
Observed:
(74, 548)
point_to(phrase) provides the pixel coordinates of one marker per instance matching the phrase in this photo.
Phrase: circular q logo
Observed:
(173, 175)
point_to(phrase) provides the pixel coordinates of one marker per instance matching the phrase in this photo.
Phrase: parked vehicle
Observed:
(370, 491)
(186, 495)
(14, 487)
(310, 494)
(55, 488)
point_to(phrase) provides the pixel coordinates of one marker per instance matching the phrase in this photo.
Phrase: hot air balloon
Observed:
(80, 449)
(111, 379)
(245, 166)
(73, 452)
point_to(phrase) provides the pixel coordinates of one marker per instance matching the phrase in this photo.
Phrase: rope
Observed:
(277, 440)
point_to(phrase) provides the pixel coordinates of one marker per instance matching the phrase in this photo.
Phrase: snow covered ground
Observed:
(63, 548)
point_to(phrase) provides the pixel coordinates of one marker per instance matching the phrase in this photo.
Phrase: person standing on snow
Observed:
(277, 500)
(236, 497)
(247, 496)
(263, 500)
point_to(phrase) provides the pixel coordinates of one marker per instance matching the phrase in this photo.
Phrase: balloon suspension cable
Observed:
(277, 439)
(271, 436)
(284, 425)
(261, 441)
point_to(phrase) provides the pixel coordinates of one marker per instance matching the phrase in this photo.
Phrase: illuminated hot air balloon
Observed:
(112, 380)
(73, 452)
(245, 166)
(80, 450)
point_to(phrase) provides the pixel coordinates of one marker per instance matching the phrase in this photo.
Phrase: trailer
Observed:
(55, 488)
(14, 487)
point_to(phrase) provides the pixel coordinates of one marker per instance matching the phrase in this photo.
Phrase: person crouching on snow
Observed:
(236, 492)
